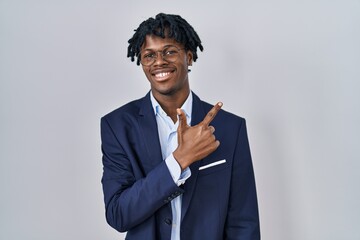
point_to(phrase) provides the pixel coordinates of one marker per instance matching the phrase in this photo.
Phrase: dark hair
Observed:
(165, 25)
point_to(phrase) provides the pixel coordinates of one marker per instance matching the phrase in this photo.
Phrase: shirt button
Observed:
(167, 221)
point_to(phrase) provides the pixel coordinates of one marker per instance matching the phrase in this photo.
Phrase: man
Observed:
(167, 173)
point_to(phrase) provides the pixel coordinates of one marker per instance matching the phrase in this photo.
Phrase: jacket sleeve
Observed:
(130, 200)
(242, 218)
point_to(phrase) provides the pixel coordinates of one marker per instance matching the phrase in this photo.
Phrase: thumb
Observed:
(182, 119)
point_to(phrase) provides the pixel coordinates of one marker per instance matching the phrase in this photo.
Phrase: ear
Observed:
(189, 56)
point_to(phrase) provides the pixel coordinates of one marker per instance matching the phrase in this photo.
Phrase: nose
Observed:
(159, 59)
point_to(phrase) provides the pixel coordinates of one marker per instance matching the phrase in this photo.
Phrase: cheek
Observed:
(184, 68)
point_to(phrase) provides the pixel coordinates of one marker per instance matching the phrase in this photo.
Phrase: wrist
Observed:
(181, 159)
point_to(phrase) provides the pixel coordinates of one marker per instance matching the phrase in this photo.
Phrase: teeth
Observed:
(162, 74)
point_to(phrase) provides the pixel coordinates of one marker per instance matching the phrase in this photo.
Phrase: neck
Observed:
(169, 103)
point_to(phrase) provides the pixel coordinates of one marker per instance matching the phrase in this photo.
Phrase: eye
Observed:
(170, 51)
(149, 55)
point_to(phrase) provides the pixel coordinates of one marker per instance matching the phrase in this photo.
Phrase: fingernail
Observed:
(220, 104)
(178, 111)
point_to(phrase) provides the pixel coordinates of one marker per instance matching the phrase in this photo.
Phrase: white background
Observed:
(291, 68)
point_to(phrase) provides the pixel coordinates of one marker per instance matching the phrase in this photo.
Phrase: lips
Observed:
(162, 75)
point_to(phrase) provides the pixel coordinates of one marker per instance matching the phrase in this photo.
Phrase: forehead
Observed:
(153, 42)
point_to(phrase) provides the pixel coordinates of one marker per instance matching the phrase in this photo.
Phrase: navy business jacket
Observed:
(219, 202)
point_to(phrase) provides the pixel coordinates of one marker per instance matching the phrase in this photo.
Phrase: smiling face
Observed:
(168, 79)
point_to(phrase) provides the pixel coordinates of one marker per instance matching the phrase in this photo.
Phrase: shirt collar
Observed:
(186, 107)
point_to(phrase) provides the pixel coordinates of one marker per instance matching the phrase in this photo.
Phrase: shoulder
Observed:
(129, 110)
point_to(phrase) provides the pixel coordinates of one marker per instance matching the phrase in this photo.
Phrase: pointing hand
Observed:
(195, 142)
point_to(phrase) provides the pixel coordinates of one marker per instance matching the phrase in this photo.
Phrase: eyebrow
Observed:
(166, 46)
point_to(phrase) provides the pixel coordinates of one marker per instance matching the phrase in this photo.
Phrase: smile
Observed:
(162, 74)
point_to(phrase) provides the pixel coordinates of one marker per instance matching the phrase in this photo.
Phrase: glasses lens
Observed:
(147, 58)
(170, 54)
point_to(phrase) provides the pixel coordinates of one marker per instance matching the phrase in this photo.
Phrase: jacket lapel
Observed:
(152, 156)
(197, 116)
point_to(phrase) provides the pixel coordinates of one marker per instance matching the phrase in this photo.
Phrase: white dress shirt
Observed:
(167, 130)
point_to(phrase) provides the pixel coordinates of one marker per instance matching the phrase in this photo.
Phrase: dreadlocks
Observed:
(165, 25)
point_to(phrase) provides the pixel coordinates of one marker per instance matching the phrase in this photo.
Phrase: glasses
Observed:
(169, 54)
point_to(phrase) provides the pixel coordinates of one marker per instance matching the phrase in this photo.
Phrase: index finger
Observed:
(212, 113)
